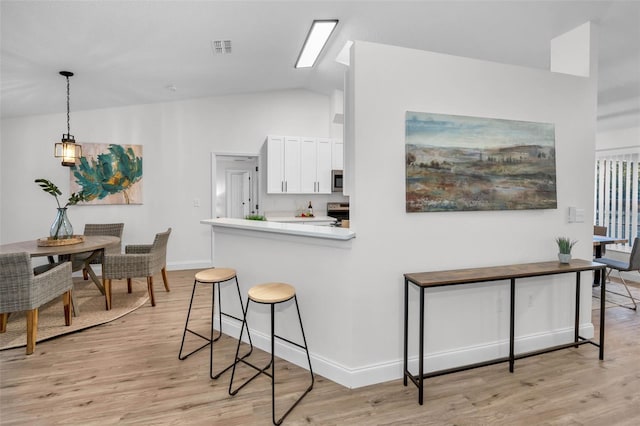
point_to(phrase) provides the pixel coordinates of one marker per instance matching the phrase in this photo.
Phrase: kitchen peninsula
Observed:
(317, 261)
(284, 228)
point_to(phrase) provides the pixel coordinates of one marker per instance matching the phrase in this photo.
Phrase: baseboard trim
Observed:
(392, 370)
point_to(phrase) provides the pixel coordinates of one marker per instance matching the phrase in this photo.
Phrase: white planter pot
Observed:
(564, 258)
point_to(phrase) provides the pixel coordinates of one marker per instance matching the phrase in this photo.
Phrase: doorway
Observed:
(238, 185)
(235, 185)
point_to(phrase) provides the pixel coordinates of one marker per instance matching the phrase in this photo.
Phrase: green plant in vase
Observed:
(61, 227)
(564, 249)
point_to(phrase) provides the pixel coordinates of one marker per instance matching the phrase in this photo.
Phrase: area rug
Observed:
(92, 312)
(616, 295)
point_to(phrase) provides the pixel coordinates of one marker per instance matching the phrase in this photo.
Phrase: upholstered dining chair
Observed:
(601, 231)
(21, 290)
(632, 265)
(141, 260)
(110, 229)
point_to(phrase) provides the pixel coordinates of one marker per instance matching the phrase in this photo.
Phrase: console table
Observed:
(425, 280)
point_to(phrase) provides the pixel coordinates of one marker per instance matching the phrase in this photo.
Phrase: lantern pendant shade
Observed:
(67, 149)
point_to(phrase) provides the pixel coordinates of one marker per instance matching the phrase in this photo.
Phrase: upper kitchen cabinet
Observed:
(283, 165)
(315, 155)
(298, 165)
(337, 155)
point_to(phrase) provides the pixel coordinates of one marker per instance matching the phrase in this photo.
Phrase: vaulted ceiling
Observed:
(138, 52)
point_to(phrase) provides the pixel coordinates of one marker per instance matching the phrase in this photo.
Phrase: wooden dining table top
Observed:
(90, 243)
(601, 239)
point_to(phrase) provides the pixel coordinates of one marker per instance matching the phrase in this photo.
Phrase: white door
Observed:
(238, 183)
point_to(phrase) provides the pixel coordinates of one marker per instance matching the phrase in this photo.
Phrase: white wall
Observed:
(178, 139)
(469, 322)
(618, 139)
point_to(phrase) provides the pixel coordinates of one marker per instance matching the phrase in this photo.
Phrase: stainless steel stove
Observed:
(338, 210)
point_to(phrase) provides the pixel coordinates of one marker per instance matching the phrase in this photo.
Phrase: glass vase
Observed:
(61, 227)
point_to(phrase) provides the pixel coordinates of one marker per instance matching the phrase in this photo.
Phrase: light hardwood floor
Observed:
(128, 372)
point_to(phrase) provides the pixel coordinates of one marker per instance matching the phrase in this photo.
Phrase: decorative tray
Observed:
(50, 242)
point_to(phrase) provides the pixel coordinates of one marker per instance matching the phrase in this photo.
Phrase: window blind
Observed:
(617, 194)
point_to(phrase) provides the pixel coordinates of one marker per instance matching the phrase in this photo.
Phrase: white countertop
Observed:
(295, 219)
(299, 229)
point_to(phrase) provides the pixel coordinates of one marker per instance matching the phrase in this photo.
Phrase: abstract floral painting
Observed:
(109, 174)
(457, 163)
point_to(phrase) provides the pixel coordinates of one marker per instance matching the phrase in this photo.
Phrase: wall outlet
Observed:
(530, 302)
(196, 202)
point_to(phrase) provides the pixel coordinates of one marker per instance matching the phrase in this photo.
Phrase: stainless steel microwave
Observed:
(336, 180)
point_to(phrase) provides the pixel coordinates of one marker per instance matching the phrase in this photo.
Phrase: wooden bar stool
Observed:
(271, 294)
(214, 276)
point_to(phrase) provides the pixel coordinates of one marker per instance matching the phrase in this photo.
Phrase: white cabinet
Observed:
(292, 165)
(308, 155)
(298, 165)
(323, 166)
(275, 164)
(315, 165)
(283, 164)
(337, 155)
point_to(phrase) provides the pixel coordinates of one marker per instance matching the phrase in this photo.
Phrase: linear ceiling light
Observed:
(316, 39)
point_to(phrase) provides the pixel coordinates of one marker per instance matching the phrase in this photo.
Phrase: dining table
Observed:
(600, 241)
(92, 244)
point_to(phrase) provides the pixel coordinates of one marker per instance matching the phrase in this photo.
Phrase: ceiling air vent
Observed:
(221, 47)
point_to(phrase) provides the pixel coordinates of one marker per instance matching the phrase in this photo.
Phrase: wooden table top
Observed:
(496, 273)
(601, 239)
(90, 243)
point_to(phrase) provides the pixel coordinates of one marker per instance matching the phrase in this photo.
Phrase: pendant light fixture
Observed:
(67, 149)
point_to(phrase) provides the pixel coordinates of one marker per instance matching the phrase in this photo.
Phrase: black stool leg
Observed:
(213, 309)
(271, 364)
(243, 360)
(244, 318)
(186, 328)
(306, 349)
(304, 339)
(209, 339)
(236, 318)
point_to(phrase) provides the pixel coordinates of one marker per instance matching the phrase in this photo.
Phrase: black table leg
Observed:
(421, 360)
(512, 311)
(602, 304)
(406, 331)
(577, 319)
(597, 275)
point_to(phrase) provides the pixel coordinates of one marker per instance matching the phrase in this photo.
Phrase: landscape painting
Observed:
(458, 163)
(109, 174)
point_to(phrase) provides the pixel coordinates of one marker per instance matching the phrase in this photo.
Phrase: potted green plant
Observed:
(61, 227)
(564, 249)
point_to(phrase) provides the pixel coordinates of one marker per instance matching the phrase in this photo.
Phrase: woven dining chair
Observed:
(21, 290)
(139, 260)
(110, 229)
